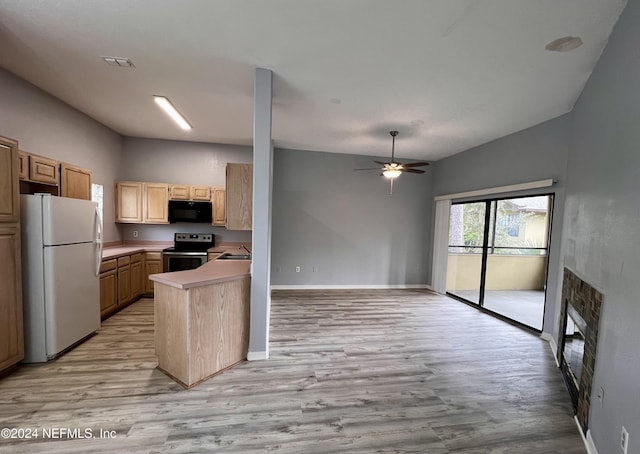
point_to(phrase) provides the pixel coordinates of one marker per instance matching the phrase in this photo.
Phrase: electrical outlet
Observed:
(277, 269)
(135, 234)
(297, 269)
(315, 269)
(624, 440)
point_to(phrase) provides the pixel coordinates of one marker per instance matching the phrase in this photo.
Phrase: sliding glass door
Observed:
(466, 244)
(498, 252)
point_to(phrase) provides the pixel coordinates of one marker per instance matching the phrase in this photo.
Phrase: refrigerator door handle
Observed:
(98, 240)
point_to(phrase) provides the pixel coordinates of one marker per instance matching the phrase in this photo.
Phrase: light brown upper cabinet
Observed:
(75, 182)
(179, 192)
(9, 190)
(239, 196)
(218, 202)
(200, 193)
(43, 170)
(155, 206)
(23, 165)
(41, 174)
(128, 202)
(186, 192)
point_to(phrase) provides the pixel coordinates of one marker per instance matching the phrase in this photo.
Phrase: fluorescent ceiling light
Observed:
(172, 112)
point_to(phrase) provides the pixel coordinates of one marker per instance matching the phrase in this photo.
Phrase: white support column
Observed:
(261, 240)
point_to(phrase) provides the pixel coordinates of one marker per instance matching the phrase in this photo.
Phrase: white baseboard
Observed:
(588, 441)
(552, 345)
(350, 287)
(591, 446)
(257, 356)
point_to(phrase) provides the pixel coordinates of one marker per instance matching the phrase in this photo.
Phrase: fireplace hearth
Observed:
(578, 339)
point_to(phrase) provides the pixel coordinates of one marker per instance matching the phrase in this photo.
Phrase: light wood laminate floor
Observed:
(380, 371)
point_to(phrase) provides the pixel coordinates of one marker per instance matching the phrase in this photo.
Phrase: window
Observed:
(97, 195)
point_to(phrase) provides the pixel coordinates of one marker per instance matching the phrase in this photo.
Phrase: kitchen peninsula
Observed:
(201, 319)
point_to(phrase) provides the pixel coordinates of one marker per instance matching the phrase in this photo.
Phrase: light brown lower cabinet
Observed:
(11, 328)
(108, 287)
(125, 279)
(201, 331)
(152, 265)
(137, 276)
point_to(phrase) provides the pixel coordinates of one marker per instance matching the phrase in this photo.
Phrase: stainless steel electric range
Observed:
(189, 251)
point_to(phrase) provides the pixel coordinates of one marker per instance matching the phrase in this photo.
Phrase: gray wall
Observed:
(345, 223)
(533, 154)
(46, 126)
(602, 224)
(170, 161)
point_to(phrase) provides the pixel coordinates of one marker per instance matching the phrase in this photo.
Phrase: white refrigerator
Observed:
(61, 253)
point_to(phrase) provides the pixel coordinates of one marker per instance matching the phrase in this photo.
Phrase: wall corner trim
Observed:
(257, 356)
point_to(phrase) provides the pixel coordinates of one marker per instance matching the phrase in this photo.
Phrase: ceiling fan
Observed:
(394, 169)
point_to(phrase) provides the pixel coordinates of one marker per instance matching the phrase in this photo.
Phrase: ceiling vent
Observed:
(119, 61)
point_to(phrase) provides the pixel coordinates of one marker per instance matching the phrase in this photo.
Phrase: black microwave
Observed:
(184, 211)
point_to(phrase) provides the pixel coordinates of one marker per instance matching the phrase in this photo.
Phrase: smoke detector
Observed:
(565, 44)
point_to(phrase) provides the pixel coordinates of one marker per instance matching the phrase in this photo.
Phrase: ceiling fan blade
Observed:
(416, 164)
(371, 168)
(381, 163)
(413, 170)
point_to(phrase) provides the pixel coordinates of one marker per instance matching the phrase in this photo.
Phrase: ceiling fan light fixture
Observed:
(170, 110)
(392, 173)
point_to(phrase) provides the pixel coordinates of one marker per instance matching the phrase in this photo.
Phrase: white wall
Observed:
(46, 126)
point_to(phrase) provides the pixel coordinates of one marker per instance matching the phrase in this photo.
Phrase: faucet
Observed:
(242, 246)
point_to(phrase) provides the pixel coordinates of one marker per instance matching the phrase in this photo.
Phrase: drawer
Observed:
(108, 265)
(154, 255)
(124, 261)
(136, 257)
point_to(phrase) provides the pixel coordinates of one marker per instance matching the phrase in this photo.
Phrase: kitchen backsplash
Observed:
(165, 232)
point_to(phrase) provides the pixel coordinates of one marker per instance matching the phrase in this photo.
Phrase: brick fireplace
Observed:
(578, 340)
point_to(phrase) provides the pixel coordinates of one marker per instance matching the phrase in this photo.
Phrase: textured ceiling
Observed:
(448, 74)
